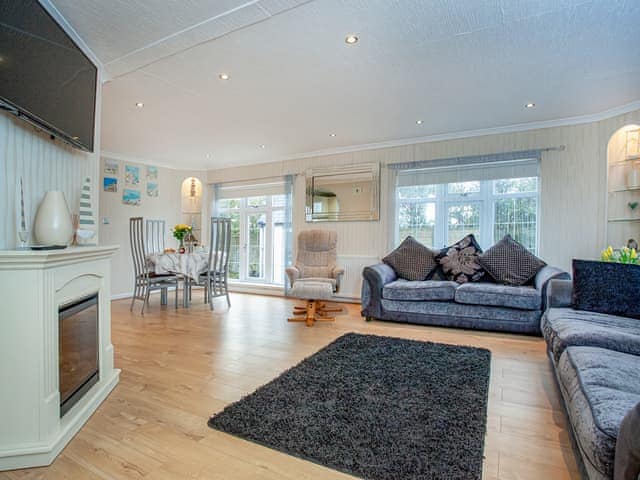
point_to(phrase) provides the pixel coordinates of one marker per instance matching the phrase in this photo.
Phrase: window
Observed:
(439, 215)
(258, 237)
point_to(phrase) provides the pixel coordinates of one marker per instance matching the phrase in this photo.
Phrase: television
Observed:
(44, 76)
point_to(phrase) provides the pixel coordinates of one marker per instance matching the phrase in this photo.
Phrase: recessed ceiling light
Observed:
(263, 146)
(419, 122)
(530, 105)
(332, 134)
(351, 39)
(224, 76)
(208, 156)
(139, 104)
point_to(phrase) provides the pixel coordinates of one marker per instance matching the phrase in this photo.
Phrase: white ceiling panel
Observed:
(456, 64)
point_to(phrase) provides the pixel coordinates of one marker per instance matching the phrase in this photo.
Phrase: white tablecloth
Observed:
(189, 264)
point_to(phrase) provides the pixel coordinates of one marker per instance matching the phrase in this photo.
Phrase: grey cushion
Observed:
(525, 298)
(417, 291)
(510, 263)
(627, 465)
(563, 327)
(599, 386)
(412, 260)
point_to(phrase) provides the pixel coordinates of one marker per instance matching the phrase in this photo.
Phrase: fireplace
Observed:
(78, 350)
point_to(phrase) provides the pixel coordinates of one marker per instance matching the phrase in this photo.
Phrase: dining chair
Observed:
(215, 279)
(155, 233)
(146, 280)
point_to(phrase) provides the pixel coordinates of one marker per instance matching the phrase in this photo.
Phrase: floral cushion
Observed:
(412, 260)
(459, 262)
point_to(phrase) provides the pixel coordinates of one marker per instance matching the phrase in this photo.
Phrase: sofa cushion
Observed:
(412, 260)
(606, 287)
(564, 327)
(599, 387)
(419, 291)
(459, 262)
(524, 298)
(510, 263)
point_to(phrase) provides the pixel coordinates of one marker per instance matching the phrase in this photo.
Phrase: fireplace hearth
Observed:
(78, 350)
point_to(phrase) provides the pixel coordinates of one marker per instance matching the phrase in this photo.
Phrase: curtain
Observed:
(289, 181)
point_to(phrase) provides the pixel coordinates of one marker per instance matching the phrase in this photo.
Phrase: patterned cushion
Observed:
(510, 263)
(412, 260)
(459, 262)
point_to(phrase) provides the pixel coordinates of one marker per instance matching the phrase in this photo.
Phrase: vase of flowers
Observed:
(624, 255)
(180, 231)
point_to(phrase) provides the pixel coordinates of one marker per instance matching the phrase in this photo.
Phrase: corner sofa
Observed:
(596, 361)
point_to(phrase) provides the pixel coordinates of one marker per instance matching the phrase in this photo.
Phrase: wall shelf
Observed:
(622, 190)
(620, 220)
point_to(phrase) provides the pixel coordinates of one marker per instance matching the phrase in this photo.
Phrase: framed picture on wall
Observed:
(131, 175)
(110, 184)
(111, 167)
(152, 174)
(131, 197)
(152, 189)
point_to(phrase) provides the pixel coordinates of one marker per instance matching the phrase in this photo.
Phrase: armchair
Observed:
(315, 275)
(316, 258)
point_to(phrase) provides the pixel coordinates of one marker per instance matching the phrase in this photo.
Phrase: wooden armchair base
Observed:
(313, 311)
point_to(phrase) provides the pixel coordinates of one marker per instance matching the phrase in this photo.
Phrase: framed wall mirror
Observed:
(343, 194)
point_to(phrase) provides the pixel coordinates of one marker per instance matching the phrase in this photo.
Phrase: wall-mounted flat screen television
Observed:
(44, 76)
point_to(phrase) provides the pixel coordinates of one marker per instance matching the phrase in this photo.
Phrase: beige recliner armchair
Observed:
(315, 276)
(316, 258)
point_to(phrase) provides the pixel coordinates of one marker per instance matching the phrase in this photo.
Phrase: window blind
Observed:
(469, 172)
(519, 164)
(253, 188)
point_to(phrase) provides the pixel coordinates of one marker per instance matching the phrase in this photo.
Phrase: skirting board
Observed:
(44, 454)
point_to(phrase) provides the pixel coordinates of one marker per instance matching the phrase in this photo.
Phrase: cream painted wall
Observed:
(167, 206)
(573, 185)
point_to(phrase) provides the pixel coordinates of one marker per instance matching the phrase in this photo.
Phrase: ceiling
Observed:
(458, 65)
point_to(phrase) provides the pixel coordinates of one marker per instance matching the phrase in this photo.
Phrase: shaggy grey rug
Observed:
(379, 408)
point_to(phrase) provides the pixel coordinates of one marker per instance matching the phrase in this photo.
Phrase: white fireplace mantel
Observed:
(33, 284)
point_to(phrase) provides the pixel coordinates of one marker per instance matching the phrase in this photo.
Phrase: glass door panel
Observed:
(256, 237)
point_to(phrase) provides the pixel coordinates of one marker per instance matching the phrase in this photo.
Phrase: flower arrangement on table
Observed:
(180, 231)
(624, 255)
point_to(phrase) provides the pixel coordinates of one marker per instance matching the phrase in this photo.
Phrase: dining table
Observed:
(189, 265)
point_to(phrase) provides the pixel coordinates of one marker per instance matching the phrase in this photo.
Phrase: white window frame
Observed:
(243, 211)
(487, 200)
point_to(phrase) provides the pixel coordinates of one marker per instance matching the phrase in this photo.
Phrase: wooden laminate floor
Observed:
(180, 366)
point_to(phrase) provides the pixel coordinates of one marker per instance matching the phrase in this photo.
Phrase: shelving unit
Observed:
(622, 221)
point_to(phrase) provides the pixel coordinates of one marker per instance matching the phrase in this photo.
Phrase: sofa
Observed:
(596, 361)
(473, 305)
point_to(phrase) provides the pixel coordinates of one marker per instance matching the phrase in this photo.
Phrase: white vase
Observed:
(52, 225)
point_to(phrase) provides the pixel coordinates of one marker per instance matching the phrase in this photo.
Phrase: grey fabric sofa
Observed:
(596, 360)
(477, 305)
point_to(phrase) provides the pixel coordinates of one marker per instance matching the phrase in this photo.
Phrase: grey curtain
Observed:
(289, 181)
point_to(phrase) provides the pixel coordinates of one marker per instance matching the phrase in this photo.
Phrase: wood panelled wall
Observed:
(573, 185)
(44, 164)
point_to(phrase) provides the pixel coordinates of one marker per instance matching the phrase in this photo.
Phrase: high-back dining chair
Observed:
(216, 279)
(155, 233)
(145, 280)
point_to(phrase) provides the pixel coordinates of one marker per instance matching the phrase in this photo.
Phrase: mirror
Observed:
(343, 194)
